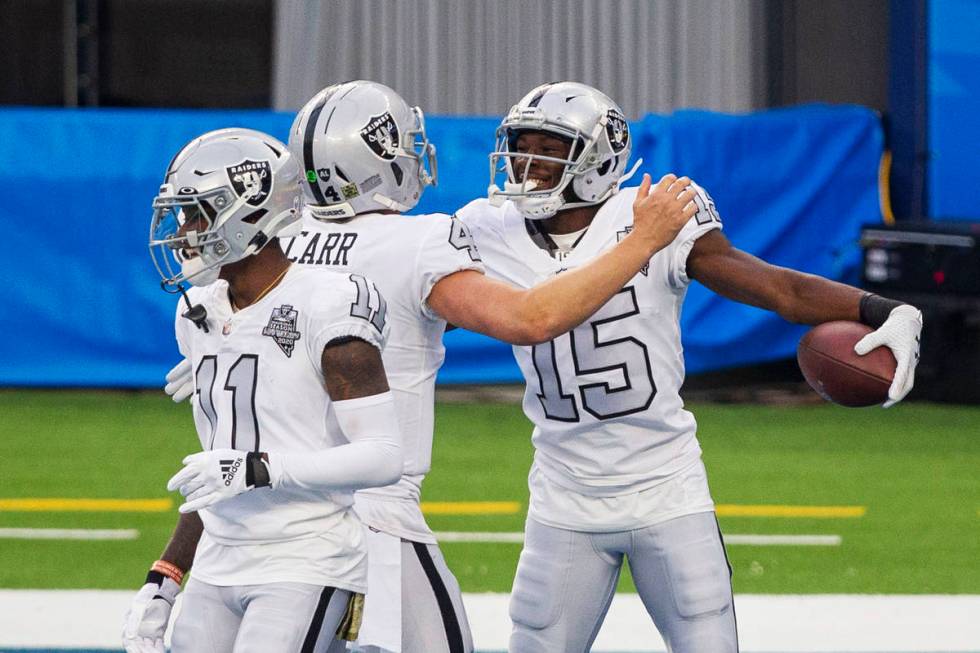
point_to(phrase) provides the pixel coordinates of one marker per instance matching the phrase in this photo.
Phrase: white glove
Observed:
(900, 333)
(148, 615)
(180, 381)
(209, 477)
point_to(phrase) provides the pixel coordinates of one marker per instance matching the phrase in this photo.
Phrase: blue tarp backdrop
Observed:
(82, 304)
(953, 110)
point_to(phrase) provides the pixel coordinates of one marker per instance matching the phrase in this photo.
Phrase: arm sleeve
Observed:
(448, 247)
(705, 220)
(372, 458)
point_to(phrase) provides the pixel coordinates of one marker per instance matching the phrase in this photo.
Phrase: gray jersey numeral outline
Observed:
(594, 351)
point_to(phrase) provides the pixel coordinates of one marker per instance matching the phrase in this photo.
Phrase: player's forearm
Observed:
(565, 301)
(814, 300)
(183, 543)
(795, 296)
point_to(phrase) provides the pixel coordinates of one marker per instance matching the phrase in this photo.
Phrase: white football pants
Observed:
(413, 604)
(281, 617)
(566, 580)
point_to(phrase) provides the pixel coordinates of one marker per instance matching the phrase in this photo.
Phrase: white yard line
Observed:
(68, 534)
(752, 540)
(784, 540)
(474, 536)
(766, 623)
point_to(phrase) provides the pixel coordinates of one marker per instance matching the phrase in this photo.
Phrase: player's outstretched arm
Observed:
(149, 612)
(355, 379)
(470, 300)
(810, 299)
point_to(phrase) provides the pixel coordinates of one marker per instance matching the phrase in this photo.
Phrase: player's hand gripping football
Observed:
(212, 476)
(900, 333)
(661, 211)
(180, 381)
(148, 615)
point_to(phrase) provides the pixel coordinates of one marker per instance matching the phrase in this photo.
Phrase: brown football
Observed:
(829, 364)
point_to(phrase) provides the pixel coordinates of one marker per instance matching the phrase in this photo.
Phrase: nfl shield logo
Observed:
(617, 130)
(251, 180)
(381, 135)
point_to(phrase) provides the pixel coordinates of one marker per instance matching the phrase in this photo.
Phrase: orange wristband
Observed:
(170, 570)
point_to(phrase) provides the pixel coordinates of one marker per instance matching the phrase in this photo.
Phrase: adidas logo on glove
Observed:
(229, 468)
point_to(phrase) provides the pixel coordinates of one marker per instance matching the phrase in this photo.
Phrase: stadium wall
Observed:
(478, 57)
(81, 300)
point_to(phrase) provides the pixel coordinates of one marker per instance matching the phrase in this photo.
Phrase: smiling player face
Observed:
(546, 174)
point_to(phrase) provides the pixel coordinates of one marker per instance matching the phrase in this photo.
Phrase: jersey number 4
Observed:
(600, 346)
(241, 381)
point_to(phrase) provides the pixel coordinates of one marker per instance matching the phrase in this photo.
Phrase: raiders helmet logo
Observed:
(251, 180)
(617, 130)
(381, 135)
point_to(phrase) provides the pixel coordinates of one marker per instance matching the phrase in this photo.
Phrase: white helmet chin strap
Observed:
(197, 273)
(497, 197)
(632, 171)
(271, 231)
(539, 208)
(390, 203)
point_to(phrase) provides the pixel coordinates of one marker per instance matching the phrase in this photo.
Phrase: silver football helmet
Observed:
(362, 149)
(596, 165)
(235, 189)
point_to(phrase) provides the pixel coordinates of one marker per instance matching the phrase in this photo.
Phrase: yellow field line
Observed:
(428, 507)
(820, 512)
(471, 507)
(86, 505)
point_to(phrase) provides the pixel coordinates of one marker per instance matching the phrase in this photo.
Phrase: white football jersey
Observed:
(604, 398)
(405, 255)
(259, 387)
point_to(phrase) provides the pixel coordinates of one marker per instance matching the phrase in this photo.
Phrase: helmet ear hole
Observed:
(397, 170)
(604, 168)
(208, 210)
(254, 216)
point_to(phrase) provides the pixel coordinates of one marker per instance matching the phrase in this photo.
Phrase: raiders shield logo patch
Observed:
(282, 328)
(251, 180)
(381, 135)
(618, 131)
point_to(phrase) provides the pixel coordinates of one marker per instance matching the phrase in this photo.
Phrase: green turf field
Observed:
(916, 468)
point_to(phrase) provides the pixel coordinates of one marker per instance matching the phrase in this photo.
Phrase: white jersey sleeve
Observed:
(448, 248)
(352, 309)
(705, 220)
(180, 329)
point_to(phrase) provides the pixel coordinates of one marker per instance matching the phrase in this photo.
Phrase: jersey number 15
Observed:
(602, 345)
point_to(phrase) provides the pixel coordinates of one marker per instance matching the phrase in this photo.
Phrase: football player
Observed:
(617, 469)
(367, 160)
(293, 411)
